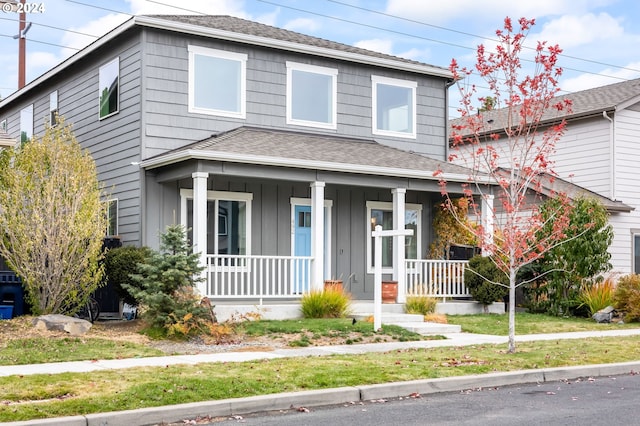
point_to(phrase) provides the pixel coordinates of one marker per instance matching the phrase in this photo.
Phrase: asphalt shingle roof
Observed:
(280, 145)
(243, 26)
(584, 103)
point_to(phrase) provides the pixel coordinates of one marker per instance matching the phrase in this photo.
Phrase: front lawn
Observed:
(498, 324)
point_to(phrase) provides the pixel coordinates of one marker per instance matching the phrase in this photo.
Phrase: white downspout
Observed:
(612, 156)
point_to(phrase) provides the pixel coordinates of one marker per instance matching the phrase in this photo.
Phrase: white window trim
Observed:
(375, 80)
(221, 54)
(30, 136)
(117, 227)
(187, 194)
(331, 72)
(116, 59)
(635, 232)
(53, 108)
(388, 206)
(328, 204)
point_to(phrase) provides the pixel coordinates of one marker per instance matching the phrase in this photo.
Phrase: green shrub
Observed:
(327, 303)
(120, 263)
(422, 305)
(486, 283)
(596, 296)
(165, 286)
(626, 297)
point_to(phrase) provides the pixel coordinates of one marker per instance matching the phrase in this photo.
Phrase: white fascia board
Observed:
(70, 60)
(305, 164)
(290, 46)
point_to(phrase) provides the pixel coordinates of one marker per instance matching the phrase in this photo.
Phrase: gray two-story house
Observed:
(279, 151)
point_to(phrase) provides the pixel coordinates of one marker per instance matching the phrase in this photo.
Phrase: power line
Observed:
(469, 34)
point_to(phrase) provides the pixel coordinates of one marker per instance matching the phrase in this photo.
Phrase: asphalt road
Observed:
(604, 400)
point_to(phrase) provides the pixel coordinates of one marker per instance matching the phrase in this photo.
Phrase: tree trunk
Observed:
(512, 311)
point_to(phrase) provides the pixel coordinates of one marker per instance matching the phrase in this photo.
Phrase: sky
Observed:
(600, 39)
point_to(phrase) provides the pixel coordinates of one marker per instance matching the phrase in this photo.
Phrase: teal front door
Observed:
(302, 246)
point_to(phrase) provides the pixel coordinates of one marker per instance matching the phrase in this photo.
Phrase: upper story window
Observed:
(108, 91)
(394, 107)
(217, 82)
(311, 95)
(26, 124)
(53, 108)
(3, 126)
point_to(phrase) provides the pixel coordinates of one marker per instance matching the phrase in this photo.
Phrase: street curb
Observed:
(284, 401)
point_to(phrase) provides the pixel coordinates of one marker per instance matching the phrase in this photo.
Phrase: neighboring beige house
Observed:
(598, 155)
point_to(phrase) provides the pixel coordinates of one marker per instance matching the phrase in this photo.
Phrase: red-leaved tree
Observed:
(507, 142)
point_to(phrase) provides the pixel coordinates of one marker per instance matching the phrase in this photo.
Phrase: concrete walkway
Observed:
(323, 397)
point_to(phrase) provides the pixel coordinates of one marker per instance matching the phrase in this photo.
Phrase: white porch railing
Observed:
(288, 277)
(257, 277)
(437, 278)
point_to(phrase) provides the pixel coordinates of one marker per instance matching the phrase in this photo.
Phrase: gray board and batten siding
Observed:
(153, 116)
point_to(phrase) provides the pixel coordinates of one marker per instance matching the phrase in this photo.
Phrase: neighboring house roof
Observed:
(6, 141)
(247, 32)
(585, 103)
(573, 191)
(283, 148)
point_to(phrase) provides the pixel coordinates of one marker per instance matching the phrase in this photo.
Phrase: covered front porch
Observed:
(276, 214)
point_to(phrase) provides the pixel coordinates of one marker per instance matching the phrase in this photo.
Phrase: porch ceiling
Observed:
(250, 145)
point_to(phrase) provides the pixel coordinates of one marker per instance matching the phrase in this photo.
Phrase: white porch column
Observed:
(487, 223)
(200, 223)
(398, 243)
(317, 235)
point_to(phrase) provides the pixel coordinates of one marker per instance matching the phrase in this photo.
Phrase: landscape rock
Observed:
(56, 322)
(604, 315)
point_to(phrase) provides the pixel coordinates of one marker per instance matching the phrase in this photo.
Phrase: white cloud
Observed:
(96, 28)
(444, 11)
(570, 30)
(377, 45)
(302, 25)
(603, 78)
(192, 7)
(417, 55)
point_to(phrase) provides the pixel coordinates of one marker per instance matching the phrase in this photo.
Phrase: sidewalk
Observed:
(323, 397)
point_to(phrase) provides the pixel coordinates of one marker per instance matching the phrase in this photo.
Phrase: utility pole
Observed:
(22, 47)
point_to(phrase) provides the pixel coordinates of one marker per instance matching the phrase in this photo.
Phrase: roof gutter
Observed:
(305, 164)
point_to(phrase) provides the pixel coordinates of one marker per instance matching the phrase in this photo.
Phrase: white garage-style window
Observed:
(394, 107)
(311, 95)
(217, 82)
(381, 213)
(228, 221)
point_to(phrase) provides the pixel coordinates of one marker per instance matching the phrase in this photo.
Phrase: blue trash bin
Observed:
(12, 292)
(6, 312)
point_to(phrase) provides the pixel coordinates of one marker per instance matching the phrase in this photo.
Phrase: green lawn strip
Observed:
(42, 396)
(40, 350)
(498, 324)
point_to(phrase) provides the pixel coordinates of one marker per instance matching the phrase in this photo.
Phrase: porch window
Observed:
(228, 219)
(26, 124)
(217, 82)
(311, 95)
(381, 213)
(394, 107)
(108, 90)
